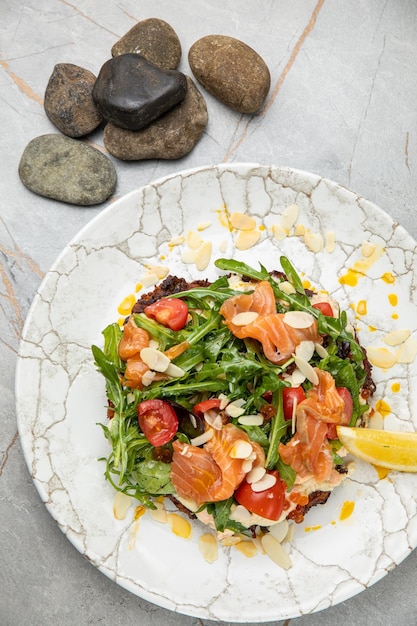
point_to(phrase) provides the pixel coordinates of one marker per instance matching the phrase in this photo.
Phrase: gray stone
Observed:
(66, 169)
(69, 102)
(131, 92)
(172, 136)
(231, 71)
(155, 40)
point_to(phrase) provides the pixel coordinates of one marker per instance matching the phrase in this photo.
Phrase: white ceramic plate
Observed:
(60, 396)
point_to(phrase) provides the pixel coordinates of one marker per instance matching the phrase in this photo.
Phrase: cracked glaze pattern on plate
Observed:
(60, 396)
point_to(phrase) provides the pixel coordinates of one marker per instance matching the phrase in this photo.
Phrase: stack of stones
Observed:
(151, 110)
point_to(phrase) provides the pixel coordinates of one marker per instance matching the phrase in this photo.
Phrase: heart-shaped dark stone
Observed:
(131, 92)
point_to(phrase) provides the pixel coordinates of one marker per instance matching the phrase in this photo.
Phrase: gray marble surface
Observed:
(342, 104)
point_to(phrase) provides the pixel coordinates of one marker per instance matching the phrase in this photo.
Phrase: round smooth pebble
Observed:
(231, 71)
(172, 136)
(69, 102)
(68, 170)
(155, 40)
(131, 92)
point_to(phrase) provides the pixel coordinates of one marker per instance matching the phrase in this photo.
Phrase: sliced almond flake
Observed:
(203, 256)
(223, 245)
(209, 547)
(330, 238)
(159, 514)
(396, 337)
(290, 534)
(203, 225)
(305, 350)
(279, 232)
(255, 474)
(153, 344)
(148, 378)
(247, 465)
(241, 221)
(233, 540)
(367, 249)
(148, 280)
(299, 230)
(290, 216)
(294, 415)
(280, 530)
(188, 256)
(213, 419)
(194, 240)
(286, 287)
(251, 420)
(174, 371)
(246, 239)
(241, 449)
(266, 482)
(381, 357)
(203, 438)
(176, 241)
(376, 421)
(407, 351)
(297, 378)
(306, 369)
(244, 318)
(298, 319)
(242, 515)
(121, 505)
(224, 401)
(275, 551)
(155, 359)
(321, 350)
(313, 241)
(235, 408)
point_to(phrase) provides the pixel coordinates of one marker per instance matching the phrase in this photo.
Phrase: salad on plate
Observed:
(225, 397)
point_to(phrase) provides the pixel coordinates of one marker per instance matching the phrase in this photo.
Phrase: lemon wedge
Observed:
(392, 450)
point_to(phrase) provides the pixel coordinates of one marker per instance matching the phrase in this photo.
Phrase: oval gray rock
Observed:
(172, 136)
(231, 71)
(131, 92)
(67, 170)
(69, 101)
(153, 39)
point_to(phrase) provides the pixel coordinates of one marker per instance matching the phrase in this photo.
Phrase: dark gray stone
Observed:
(171, 136)
(68, 170)
(69, 101)
(153, 39)
(231, 71)
(131, 92)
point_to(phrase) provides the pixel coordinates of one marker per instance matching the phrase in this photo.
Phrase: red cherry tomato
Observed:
(268, 503)
(324, 307)
(158, 421)
(289, 395)
(206, 405)
(332, 431)
(170, 312)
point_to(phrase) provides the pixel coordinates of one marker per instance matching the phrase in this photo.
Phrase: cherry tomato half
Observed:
(344, 393)
(324, 307)
(289, 396)
(158, 421)
(268, 503)
(170, 312)
(206, 405)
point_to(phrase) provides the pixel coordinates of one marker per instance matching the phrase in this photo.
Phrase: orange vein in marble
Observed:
(21, 84)
(11, 297)
(68, 4)
(6, 454)
(232, 147)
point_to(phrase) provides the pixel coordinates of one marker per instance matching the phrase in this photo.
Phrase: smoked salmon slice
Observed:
(210, 474)
(309, 452)
(278, 339)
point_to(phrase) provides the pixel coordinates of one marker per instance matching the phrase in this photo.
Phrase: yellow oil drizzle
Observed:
(361, 307)
(381, 471)
(371, 329)
(346, 510)
(360, 267)
(395, 387)
(139, 511)
(306, 284)
(307, 529)
(383, 407)
(394, 316)
(393, 299)
(125, 307)
(138, 287)
(223, 217)
(388, 278)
